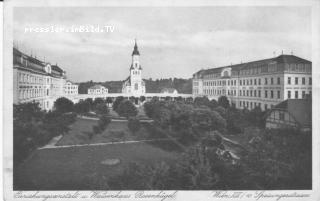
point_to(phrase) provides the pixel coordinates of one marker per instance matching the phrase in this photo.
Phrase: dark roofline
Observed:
(239, 65)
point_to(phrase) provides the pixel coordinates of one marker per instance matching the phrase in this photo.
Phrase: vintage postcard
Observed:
(159, 100)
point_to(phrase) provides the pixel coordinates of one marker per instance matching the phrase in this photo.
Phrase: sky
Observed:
(173, 41)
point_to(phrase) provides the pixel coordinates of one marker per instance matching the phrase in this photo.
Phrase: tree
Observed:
(63, 105)
(98, 101)
(213, 104)
(134, 124)
(127, 109)
(101, 109)
(201, 101)
(109, 101)
(117, 102)
(142, 98)
(223, 101)
(82, 107)
(189, 100)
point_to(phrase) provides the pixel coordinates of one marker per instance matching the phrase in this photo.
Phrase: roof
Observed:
(34, 65)
(97, 86)
(168, 90)
(300, 109)
(135, 49)
(282, 59)
(56, 68)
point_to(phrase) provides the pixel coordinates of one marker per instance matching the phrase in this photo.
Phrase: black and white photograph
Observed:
(148, 101)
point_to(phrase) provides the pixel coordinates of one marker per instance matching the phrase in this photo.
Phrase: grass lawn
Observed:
(116, 131)
(73, 168)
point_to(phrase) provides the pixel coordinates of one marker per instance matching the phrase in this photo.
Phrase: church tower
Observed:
(134, 84)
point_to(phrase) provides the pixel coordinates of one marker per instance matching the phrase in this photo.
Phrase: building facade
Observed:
(97, 90)
(262, 83)
(134, 85)
(35, 80)
(70, 89)
(291, 113)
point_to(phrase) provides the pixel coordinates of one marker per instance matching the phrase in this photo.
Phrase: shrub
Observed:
(127, 109)
(63, 105)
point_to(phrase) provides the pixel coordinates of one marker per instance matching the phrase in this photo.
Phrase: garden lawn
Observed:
(76, 168)
(116, 131)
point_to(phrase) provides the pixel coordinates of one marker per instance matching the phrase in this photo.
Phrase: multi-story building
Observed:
(262, 83)
(70, 89)
(36, 80)
(97, 90)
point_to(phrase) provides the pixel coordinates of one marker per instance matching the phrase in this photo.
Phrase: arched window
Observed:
(225, 73)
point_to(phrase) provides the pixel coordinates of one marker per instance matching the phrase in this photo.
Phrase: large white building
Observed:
(70, 89)
(134, 85)
(97, 90)
(36, 80)
(263, 83)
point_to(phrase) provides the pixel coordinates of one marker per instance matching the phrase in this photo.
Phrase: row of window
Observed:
(32, 93)
(251, 105)
(31, 79)
(256, 81)
(297, 95)
(255, 93)
(296, 80)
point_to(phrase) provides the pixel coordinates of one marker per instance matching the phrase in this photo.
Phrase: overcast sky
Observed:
(173, 42)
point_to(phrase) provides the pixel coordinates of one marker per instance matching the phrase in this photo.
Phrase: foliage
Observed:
(103, 123)
(82, 107)
(109, 100)
(33, 128)
(223, 101)
(127, 109)
(117, 102)
(101, 109)
(63, 105)
(201, 101)
(142, 98)
(281, 159)
(134, 124)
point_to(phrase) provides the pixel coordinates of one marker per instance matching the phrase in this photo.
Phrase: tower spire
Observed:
(135, 49)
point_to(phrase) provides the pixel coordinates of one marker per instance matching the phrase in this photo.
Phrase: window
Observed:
(247, 92)
(266, 81)
(296, 94)
(303, 94)
(259, 93)
(240, 94)
(310, 80)
(251, 93)
(303, 80)
(255, 93)
(271, 94)
(266, 94)
(278, 80)
(240, 82)
(296, 80)
(271, 80)
(265, 106)
(281, 116)
(289, 94)
(250, 81)
(255, 81)
(278, 94)
(259, 81)
(289, 80)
